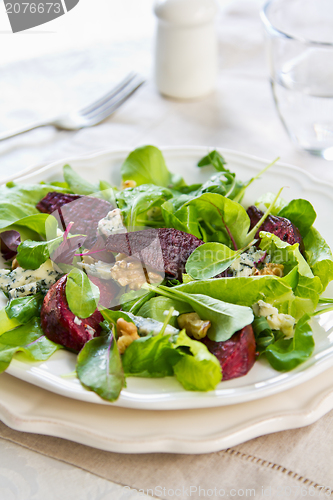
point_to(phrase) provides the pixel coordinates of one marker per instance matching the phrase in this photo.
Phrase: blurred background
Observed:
(70, 61)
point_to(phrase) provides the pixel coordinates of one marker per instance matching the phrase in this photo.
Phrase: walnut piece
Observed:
(129, 272)
(15, 264)
(194, 326)
(127, 333)
(270, 269)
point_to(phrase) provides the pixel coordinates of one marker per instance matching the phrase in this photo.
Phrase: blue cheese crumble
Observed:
(21, 282)
(246, 262)
(276, 321)
(112, 223)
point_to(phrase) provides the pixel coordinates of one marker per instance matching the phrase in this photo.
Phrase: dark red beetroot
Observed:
(108, 290)
(163, 249)
(279, 226)
(54, 200)
(84, 211)
(59, 323)
(236, 355)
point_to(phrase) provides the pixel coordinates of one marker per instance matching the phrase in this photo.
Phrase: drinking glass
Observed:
(300, 48)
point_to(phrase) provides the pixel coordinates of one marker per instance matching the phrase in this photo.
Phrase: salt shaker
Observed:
(186, 48)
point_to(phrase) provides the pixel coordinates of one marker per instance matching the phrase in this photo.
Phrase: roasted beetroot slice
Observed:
(54, 200)
(59, 323)
(85, 212)
(236, 355)
(164, 249)
(108, 290)
(279, 226)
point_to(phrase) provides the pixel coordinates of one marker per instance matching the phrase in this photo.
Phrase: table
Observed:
(239, 115)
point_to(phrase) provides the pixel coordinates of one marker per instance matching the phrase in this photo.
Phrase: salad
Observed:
(158, 277)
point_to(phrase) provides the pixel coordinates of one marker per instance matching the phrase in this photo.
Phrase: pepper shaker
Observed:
(186, 48)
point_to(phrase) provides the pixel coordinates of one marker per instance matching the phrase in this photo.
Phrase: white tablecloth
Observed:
(239, 115)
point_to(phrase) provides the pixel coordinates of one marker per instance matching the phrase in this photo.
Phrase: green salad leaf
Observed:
(28, 339)
(99, 367)
(141, 206)
(156, 307)
(7, 323)
(219, 217)
(301, 213)
(200, 371)
(77, 184)
(33, 227)
(215, 159)
(319, 256)
(281, 252)
(23, 309)
(226, 318)
(286, 354)
(150, 356)
(189, 360)
(267, 199)
(146, 165)
(112, 316)
(82, 295)
(209, 260)
(32, 254)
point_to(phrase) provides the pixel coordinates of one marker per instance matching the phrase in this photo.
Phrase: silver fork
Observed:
(92, 114)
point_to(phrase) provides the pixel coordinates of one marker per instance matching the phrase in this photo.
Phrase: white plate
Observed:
(28, 408)
(167, 393)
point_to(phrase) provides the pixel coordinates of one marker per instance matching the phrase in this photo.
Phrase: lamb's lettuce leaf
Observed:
(81, 294)
(99, 367)
(210, 259)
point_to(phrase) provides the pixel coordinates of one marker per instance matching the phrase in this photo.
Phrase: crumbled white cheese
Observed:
(244, 265)
(77, 321)
(276, 321)
(98, 269)
(283, 322)
(90, 331)
(21, 282)
(112, 223)
(264, 309)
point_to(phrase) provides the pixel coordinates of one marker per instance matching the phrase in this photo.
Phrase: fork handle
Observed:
(22, 130)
